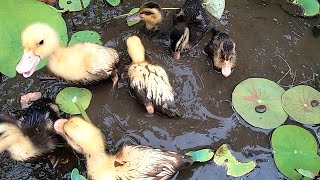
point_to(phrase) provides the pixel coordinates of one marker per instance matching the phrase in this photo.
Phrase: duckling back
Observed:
(30, 134)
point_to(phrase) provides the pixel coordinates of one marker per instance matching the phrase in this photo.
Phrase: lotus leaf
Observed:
(215, 7)
(223, 157)
(310, 7)
(258, 101)
(294, 148)
(73, 5)
(302, 103)
(114, 2)
(85, 36)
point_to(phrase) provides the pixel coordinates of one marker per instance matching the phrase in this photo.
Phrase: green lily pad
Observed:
(85, 36)
(310, 7)
(258, 101)
(75, 175)
(66, 99)
(114, 2)
(223, 157)
(302, 103)
(73, 5)
(14, 17)
(294, 148)
(132, 12)
(202, 155)
(306, 173)
(214, 7)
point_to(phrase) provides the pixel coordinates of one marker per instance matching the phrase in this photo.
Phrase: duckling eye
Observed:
(41, 42)
(148, 13)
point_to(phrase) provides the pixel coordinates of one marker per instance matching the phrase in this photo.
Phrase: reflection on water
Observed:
(270, 44)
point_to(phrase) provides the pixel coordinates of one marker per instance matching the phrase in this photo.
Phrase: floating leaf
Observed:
(202, 155)
(310, 7)
(73, 5)
(306, 173)
(75, 175)
(294, 148)
(85, 36)
(14, 17)
(65, 99)
(302, 103)
(132, 12)
(223, 157)
(258, 101)
(114, 2)
(214, 7)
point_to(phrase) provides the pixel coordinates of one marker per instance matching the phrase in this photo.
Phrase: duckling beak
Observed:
(58, 126)
(176, 55)
(28, 64)
(226, 71)
(134, 17)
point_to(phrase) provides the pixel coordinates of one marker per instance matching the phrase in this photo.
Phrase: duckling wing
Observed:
(142, 162)
(150, 83)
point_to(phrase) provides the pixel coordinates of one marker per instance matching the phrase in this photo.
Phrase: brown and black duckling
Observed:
(83, 62)
(30, 134)
(222, 50)
(130, 162)
(190, 25)
(150, 83)
(150, 13)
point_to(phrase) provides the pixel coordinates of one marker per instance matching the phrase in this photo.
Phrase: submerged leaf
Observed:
(214, 7)
(223, 157)
(85, 36)
(114, 2)
(302, 103)
(310, 7)
(132, 12)
(258, 101)
(14, 17)
(294, 148)
(202, 155)
(73, 5)
(75, 175)
(65, 99)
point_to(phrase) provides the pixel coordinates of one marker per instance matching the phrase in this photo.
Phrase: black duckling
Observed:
(149, 82)
(30, 134)
(222, 50)
(150, 13)
(130, 162)
(190, 25)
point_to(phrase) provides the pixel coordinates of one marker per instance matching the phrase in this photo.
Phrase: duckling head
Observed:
(39, 41)
(226, 57)
(179, 40)
(150, 12)
(136, 49)
(81, 135)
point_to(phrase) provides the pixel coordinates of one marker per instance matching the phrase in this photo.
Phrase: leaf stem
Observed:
(81, 109)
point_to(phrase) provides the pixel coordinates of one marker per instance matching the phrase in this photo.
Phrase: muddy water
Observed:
(270, 43)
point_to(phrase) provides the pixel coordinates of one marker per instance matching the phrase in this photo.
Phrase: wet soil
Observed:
(270, 44)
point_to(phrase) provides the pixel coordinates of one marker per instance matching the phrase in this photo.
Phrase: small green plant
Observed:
(202, 155)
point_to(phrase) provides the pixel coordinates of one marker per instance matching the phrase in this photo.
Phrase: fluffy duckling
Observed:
(83, 62)
(222, 50)
(30, 134)
(131, 162)
(150, 13)
(190, 25)
(150, 83)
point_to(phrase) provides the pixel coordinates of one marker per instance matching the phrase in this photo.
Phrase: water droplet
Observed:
(315, 103)
(261, 109)
(69, 2)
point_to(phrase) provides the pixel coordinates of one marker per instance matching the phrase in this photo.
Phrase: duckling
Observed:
(150, 13)
(150, 83)
(222, 50)
(30, 134)
(130, 162)
(83, 62)
(190, 25)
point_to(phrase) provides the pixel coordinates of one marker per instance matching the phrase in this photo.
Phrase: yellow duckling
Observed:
(83, 62)
(131, 162)
(150, 13)
(149, 82)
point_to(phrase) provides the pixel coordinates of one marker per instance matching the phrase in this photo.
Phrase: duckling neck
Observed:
(101, 166)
